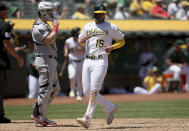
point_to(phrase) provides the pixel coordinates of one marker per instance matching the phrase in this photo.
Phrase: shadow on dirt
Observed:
(67, 126)
(124, 127)
(21, 122)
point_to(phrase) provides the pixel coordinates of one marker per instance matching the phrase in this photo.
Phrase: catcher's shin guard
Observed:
(36, 110)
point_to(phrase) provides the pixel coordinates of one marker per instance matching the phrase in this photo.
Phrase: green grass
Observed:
(154, 109)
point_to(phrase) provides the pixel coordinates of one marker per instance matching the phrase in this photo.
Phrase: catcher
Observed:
(45, 62)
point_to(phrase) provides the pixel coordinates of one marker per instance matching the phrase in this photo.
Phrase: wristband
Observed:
(55, 28)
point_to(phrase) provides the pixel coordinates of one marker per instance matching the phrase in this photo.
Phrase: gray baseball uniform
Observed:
(46, 66)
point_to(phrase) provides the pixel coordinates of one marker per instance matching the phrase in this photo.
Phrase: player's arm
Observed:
(65, 51)
(82, 40)
(146, 82)
(119, 44)
(12, 51)
(50, 39)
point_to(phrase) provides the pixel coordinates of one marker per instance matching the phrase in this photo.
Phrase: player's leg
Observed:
(140, 90)
(56, 85)
(44, 68)
(97, 77)
(32, 84)
(79, 89)
(2, 85)
(85, 121)
(155, 89)
(72, 75)
(37, 87)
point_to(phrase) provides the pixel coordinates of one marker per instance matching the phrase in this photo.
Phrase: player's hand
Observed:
(20, 61)
(108, 48)
(66, 56)
(83, 39)
(55, 22)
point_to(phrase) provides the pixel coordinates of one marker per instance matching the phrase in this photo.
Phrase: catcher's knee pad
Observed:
(56, 89)
(36, 110)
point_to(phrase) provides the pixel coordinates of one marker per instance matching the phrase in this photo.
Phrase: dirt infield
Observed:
(137, 124)
(131, 124)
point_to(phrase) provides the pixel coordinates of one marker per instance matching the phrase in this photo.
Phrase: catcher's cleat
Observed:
(46, 123)
(111, 114)
(85, 121)
(33, 118)
(79, 98)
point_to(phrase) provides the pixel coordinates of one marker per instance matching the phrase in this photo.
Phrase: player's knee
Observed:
(136, 90)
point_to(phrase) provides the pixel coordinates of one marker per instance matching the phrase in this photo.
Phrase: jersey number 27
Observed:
(99, 43)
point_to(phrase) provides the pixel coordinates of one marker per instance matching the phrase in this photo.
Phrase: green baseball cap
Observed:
(13, 9)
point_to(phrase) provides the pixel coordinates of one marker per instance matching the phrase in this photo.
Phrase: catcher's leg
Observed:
(56, 86)
(45, 68)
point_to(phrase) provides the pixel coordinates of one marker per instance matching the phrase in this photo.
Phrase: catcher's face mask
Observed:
(47, 10)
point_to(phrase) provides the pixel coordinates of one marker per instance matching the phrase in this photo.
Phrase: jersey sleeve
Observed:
(83, 32)
(41, 32)
(66, 45)
(116, 33)
(6, 32)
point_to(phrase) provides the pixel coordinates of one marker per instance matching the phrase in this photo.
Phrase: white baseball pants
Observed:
(155, 89)
(33, 85)
(93, 75)
(75, 76)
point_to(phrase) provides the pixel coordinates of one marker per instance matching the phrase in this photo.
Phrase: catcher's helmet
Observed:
(43, 7)
(75, 31)
(99, 9)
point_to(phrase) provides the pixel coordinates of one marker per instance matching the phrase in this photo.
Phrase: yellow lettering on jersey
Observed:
(95, 32)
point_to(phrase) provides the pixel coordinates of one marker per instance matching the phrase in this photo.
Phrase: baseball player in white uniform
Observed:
(45, 62)
(75, 54)
(97, 37)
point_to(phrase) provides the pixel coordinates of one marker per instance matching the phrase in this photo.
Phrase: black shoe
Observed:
(4, 120)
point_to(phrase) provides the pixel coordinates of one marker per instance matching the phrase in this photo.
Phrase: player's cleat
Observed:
(72, 94)
(111, 114)
(85, 121)
(46, 123)
(33, 118)
(79, 98)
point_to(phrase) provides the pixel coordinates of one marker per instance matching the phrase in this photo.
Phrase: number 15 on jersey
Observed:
(99, 43)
